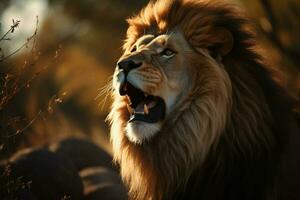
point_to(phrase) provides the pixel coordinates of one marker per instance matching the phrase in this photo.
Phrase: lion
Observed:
(197, 113)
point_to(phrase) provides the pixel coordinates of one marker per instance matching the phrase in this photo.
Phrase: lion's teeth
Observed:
(128, 99)
(140, 113)
(130, 109)
(146, 110)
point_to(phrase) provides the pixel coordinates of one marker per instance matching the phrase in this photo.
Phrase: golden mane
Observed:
(206, 140)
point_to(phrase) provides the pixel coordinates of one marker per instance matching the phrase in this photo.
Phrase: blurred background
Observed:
(57, 58)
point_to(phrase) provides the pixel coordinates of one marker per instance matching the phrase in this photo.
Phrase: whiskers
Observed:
(104, 92)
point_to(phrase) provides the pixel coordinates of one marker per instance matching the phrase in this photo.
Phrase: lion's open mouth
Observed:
(143, 107)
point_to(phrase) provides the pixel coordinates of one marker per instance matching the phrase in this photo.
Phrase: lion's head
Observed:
(158, 76)
(189, 81)
(165, 68)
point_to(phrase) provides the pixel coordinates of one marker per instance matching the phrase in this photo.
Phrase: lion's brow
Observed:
(146, 39)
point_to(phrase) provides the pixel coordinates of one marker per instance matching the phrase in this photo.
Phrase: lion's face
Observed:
(154, 76)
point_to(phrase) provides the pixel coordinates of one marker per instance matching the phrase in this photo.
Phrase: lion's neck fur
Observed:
(245, 162)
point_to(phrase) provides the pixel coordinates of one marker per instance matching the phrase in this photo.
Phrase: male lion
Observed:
(196, 112)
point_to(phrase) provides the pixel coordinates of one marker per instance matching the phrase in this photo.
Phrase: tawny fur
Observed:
(226, 116)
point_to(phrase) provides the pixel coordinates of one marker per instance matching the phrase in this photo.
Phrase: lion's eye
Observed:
(167, 53)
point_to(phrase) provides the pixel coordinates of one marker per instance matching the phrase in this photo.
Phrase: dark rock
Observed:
(82, 153)
(102, 183)
(41, 174)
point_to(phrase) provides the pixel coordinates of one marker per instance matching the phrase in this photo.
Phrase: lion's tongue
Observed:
(150, 111)
(140, 108)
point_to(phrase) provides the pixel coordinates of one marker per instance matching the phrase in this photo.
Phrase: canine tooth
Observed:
(130, 109)
(146, 110)
(128, 99)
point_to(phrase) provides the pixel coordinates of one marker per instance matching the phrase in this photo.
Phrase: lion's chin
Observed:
(139, 132)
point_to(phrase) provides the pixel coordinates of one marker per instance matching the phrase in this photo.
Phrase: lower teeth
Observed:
(140, 113)
(143, 110)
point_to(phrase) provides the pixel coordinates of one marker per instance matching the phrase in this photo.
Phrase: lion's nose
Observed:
(128, 65)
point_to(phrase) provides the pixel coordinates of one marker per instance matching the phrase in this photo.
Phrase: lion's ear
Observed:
(223, 43)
